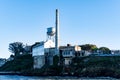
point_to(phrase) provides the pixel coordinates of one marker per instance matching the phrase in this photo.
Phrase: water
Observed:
(16, 77)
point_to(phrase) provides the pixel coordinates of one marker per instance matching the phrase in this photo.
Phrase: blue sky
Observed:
(81, 22)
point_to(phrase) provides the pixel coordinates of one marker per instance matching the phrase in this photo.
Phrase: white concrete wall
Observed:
(39, 50)
(39, 61)
(49, 44)
(87, 53)
(68, 61)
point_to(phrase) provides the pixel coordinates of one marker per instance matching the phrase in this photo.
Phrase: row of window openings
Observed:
(67, 53)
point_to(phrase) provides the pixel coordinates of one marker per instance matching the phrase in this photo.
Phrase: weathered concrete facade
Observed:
(49, 54)
(39, 61)
(42, 53)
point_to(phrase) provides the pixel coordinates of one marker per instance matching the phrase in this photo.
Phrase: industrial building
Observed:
(38, 52)
(43, 52)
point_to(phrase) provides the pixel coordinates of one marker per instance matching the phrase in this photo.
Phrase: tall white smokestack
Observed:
(57, 33)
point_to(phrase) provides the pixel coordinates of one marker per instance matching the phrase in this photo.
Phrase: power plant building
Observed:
(38, 52)
(43, 52)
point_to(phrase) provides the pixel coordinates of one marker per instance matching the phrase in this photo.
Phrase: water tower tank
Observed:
(51, 31)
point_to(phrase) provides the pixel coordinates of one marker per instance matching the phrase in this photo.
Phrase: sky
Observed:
(81, 22)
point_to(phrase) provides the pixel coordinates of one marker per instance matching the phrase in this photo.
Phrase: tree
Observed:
(16, 48)
(27, 49)
(11, 56)
(61, 58)
(89, 47)
(55, 60)
(105, 50)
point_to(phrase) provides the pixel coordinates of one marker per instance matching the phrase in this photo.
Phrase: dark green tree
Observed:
(16, 48)
(27, 49)
(61, 58)
(105, 50)
(89, 47)
(55, 60)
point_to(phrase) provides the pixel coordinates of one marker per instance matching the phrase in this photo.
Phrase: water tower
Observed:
(51, 33)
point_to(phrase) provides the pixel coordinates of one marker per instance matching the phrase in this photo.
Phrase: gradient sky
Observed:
(81, 22)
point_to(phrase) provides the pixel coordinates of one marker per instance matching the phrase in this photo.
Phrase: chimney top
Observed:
(68, 44)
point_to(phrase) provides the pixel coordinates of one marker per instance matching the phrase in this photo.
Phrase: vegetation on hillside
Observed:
(20, 63)
(95, 66)
(90, 66)
(89, 47)
(105, 50)
(94, 48)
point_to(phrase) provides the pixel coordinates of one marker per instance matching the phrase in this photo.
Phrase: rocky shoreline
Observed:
(59, 76)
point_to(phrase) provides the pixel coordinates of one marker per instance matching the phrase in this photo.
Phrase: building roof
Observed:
(38, 44)
(42, 43)
(63, 47)
(66, 47)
